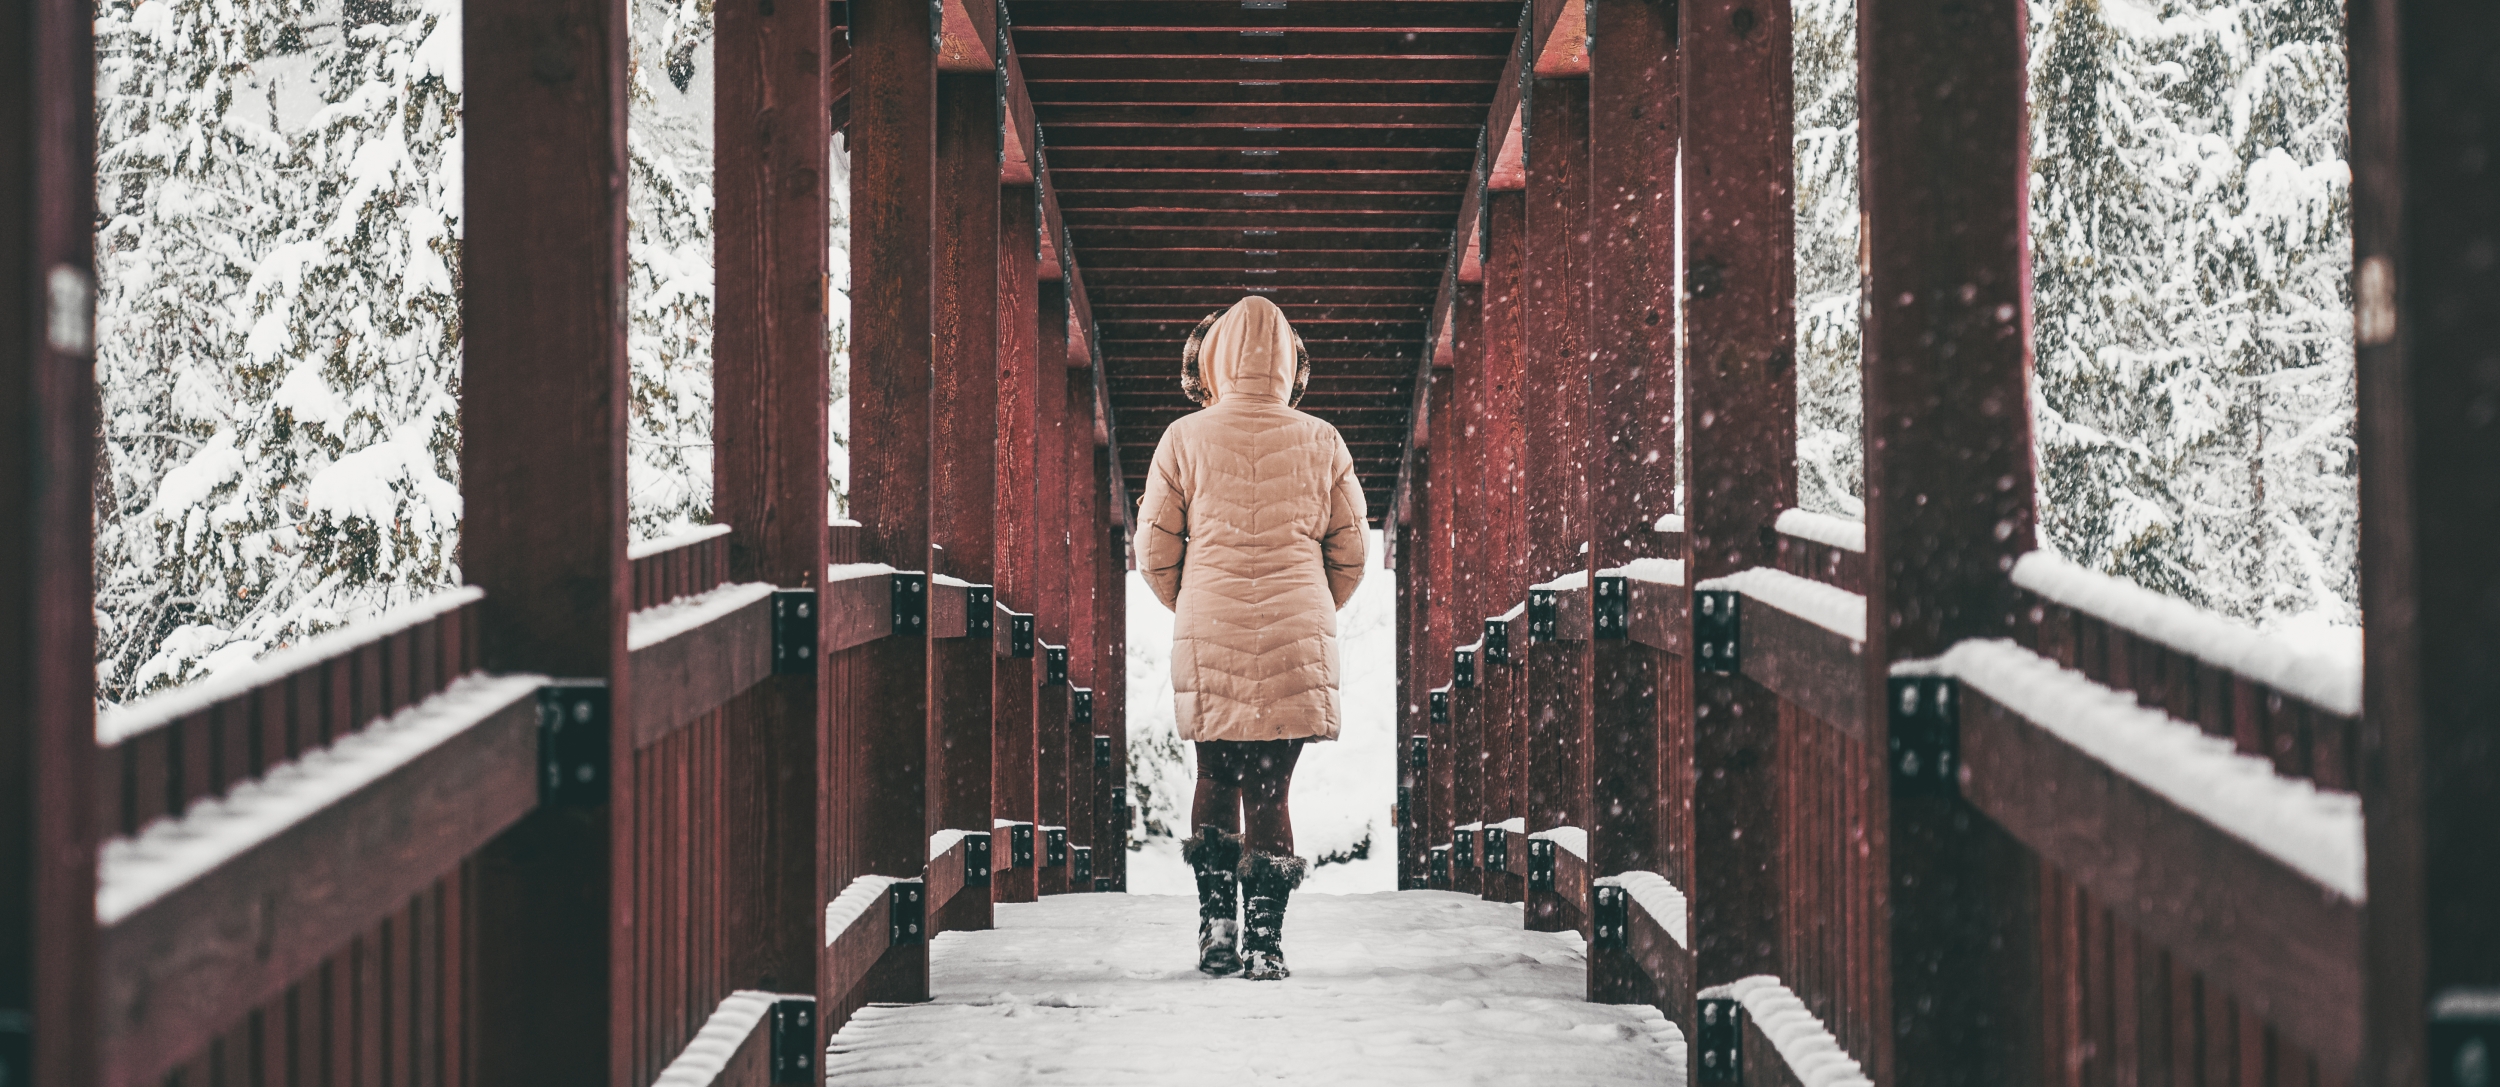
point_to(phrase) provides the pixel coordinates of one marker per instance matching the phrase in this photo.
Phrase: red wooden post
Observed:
(48, 827)
(1503, 475)
(1023, 301)
(964, 462)
(543, 382)
(2424, 216)
(1413, 574)
(1635, 120)
(1741, 447)
(894, 126)
(1949, 505)
(1554, 403)
(769, 386)
(1110, 677)
(1083, 503)
(1050, 608)
(1477, 729)
(1439, 554)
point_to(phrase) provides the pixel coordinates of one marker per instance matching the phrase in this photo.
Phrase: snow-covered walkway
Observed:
(1415, 987)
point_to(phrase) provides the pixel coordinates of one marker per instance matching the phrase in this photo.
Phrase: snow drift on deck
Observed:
(1422, 987)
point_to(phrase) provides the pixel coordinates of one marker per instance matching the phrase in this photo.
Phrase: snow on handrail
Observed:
(134, 871)
(1823, 528)
(1571, 838)
(1577, 579)
(2315, 831)
(1834, 609)
(1655, 571)
(727, 1031)
(1660, 898)
(854, 901)
(651, 626)
(2329, 678)
(156, 711)
(1813, 1055)
(665, 544)
(845, 571)
(942, 841)
(1671, 522)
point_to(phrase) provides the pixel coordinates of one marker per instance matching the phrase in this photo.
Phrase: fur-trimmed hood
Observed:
(1245, 349)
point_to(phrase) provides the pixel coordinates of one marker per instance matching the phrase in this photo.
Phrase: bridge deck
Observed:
(1405, 987)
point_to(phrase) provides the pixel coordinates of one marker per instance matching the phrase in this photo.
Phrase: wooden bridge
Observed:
(1903, 799)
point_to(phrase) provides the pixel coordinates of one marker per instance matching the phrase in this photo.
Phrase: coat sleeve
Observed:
(1341, 547)
(1163, 525)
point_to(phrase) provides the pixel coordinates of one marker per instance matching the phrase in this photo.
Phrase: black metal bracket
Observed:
(1437, 869)
(1081, 707)
(1020, 845)
(976, 859)
(2465, 1037)
(1721, 1056)
(1419, 753)
(1497, 641)
(794, 1040)
(1926, 734)
(573, 746)
(794, 632)
(1611, 907)
(1440, 705)
(911, 601)
(1716, 626)
(1612, 602)
(1544, 614)
(1406, 805)
(1105, 885)
(1054, 665)
(980, 603)
(1540, 864)
(1081, 865)
(907, 904)
(1496, 849)
(1462, 848)
(1020, 635)
(1102, 748)
(937, 26)
(1462, 668)
(1054, 846)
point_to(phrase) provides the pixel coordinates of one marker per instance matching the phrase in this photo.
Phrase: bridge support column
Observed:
(770, 384)
(47, 642)
(2425, 129)
(1554, 408)
(542, 416)
(1060, 343)
(1948, 509)
(1110, 673)
(1083, 502)
(964, 463)
(1741, 447)
(1025, 303)
(1442, 496)
(883, 722)
(1498, 513)
(1635, 119)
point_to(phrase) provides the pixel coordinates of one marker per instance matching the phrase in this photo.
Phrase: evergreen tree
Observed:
(1830, 450)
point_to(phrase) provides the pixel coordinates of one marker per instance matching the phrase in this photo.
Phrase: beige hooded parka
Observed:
(1252, 531)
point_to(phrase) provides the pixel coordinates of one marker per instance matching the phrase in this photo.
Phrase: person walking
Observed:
(1252, 531)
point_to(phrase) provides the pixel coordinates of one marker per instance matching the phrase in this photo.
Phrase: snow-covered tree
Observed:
(669, 267)
(1830, 450)
(2191, 227)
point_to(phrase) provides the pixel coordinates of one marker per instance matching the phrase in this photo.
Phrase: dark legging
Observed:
(1242, 787)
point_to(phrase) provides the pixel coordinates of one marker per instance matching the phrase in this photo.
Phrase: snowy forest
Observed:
(279, 321)
(2191, 239)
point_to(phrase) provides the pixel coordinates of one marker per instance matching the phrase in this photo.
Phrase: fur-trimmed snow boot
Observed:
(1267, 881)
(1214, 854)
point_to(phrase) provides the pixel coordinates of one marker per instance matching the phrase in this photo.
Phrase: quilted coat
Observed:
(1252, 531)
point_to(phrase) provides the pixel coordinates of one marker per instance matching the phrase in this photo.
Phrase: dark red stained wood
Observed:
(1805, 665)
(1086, 514)
(1412, 570)
(1359, 14)
(2424, 216)
(187, 966)
(1233, 92)
(1440, 556)
(701, 670)
(769, 388)
(47, 644)
(1740, 395)
(894, 127)
(1024, 335)
(1660, 970)
(1554, 406)
(1226, 46)
(544, 269)
(964, 463)
(1949, 499)
(1110, 679)
(1061, 347)
(2251, 924)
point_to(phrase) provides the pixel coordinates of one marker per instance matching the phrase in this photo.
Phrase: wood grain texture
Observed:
(699, 671)
(1805, 665)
